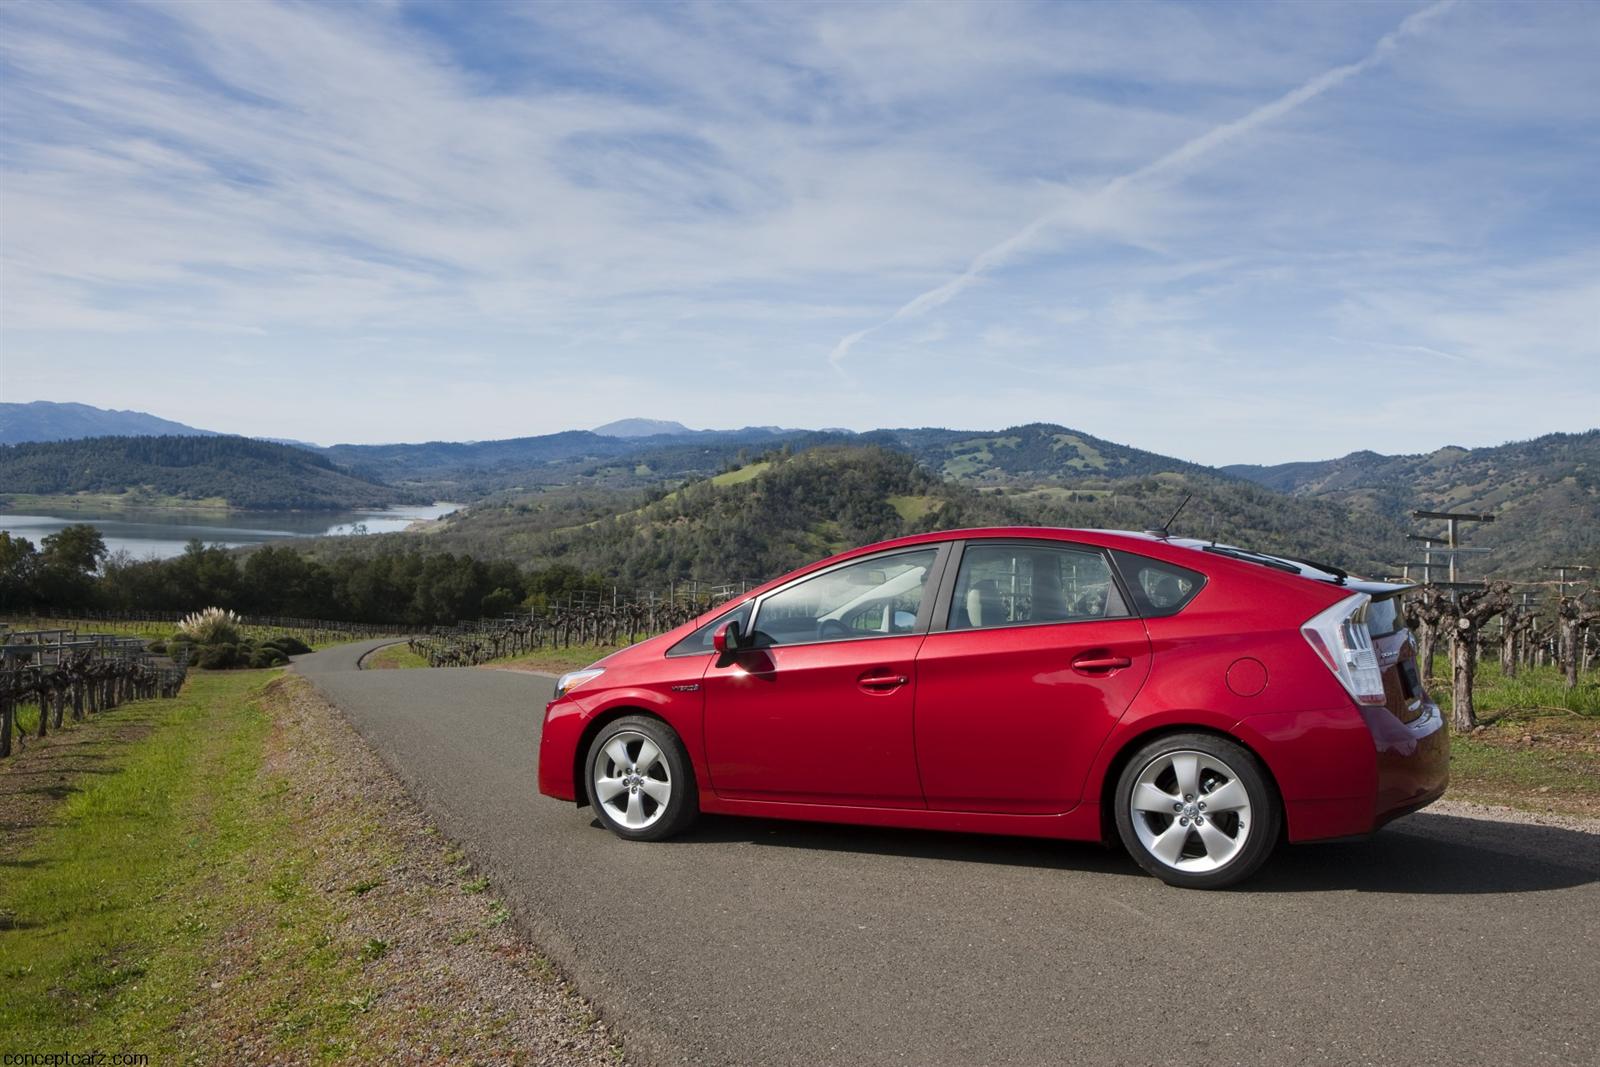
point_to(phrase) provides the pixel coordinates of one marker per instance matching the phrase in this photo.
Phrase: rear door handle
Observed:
(1099, 662)
(881, 683)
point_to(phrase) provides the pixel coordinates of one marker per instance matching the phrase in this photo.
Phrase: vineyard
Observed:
(47, 674)
(563, 626)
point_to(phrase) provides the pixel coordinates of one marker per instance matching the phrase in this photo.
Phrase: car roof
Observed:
(1172, 549)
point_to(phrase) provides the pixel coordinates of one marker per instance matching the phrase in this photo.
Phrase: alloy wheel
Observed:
(1190, 811)
(632, 781)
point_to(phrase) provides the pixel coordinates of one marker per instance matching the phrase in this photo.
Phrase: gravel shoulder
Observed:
(446, 972)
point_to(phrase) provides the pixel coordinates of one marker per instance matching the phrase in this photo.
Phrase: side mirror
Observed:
(726, 638)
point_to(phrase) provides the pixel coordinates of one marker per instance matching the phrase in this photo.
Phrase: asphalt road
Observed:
(1441, 940)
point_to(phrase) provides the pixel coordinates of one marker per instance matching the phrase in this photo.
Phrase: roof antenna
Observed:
(1161, 531)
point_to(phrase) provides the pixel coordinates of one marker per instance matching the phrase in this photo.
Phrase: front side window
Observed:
(700, 641)
(1019, 584)
(872, 598)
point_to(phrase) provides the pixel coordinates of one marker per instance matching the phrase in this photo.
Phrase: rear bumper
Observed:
(1344, 772)
(1413, 761)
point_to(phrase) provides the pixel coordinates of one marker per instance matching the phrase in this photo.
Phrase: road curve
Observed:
(1444, 939)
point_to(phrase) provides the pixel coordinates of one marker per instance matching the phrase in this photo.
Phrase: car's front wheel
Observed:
(641, 783)
(1197, 811)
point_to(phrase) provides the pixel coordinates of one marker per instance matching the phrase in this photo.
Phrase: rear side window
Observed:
(1030, 584)
(1157, 588)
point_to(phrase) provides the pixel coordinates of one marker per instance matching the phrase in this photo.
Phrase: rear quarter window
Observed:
(1157, 588)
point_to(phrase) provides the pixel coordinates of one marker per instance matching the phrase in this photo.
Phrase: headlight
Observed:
(572, 679)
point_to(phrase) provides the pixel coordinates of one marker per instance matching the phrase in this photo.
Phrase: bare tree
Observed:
(1466, 612)
(1574, 614)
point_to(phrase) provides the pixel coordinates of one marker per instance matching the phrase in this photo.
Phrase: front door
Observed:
(1037, 661)
(820, 710)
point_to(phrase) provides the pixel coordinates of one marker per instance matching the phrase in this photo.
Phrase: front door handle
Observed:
(882, 683)
(1100, 663)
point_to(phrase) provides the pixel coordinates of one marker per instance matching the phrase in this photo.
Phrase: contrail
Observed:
(1174, 161)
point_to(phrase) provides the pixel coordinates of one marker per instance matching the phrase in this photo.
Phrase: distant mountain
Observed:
(1544, 494)
(174, 470)
(42, 420)
(641, 428)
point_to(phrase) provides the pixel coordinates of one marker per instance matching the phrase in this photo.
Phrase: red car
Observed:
(1195, 700)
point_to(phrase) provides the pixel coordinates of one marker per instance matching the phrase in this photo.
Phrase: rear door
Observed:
(1034, 659)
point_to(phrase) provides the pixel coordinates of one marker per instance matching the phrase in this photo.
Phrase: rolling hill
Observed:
(171, 470)
(43, 420)
(786, 508)
(1545, 494)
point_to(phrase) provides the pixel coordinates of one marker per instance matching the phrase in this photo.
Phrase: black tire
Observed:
(642, 783)
(1197, 853)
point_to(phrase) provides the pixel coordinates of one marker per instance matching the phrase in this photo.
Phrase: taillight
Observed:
(1340, 638)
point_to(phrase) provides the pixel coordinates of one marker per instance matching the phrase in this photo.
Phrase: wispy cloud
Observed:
(574, 211)
(1087, 209)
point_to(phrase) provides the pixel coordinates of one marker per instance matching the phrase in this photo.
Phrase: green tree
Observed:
(19, 564)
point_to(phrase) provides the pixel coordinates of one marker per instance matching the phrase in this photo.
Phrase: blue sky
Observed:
(1231, 233)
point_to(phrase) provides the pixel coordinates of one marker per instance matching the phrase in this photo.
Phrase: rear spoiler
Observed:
(1379, 590)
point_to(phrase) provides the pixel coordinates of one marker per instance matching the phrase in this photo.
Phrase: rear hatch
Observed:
(1403, 692)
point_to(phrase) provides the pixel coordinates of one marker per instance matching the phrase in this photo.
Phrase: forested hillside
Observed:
(1019, 455)
(787, 508)
(241, 472)
(1545, 493)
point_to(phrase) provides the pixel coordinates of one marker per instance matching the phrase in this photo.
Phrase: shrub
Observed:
(213, 626)
(288, 645)
(218, 657)
(268, 656)
(158, 647)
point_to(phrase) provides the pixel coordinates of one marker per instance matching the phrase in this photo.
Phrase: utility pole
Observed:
(1453, 519)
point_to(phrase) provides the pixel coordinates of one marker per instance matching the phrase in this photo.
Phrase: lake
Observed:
(163, 532)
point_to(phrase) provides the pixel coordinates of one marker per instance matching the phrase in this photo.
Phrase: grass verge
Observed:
(1538, 744)
(238, 878)
(555, 660)
(393, 657)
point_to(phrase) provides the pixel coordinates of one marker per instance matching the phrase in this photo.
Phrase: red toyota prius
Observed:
(1196, 700)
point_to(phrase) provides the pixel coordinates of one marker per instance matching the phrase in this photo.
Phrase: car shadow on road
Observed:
(1431, 854)
(1439, 854)
(912, 844)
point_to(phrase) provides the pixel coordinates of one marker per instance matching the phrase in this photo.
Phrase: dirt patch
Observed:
(445, 974)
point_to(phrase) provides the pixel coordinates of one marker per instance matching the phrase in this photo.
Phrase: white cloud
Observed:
(687, 206)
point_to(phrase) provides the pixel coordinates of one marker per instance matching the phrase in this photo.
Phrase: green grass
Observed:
(912, 508)
(132, 499)
(1501, 764)
(557, 660)
(1534, 691)
(1538, 745)
(746, 473)
(108, 913)
(393, 657)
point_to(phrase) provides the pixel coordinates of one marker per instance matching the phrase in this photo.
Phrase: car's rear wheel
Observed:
(641, 783)
(1197, 811)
